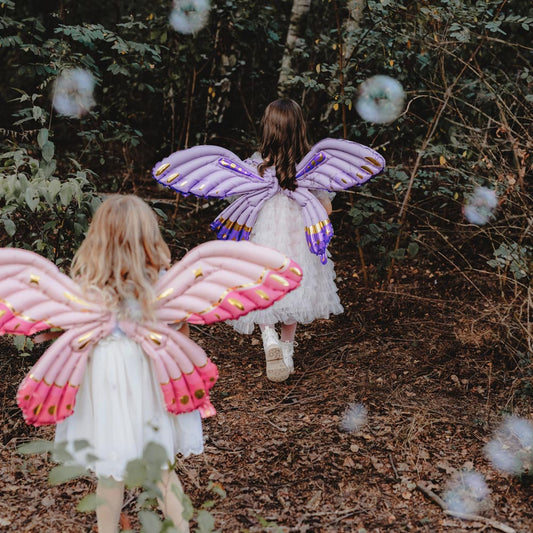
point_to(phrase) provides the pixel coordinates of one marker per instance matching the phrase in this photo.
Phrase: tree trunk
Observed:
(346, 48)
(352, 23)
(300, 8)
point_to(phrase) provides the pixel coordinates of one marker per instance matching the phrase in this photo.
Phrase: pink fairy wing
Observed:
(208, 171)
(35, 295)
(337, 164)
(183, 369)
(47, 394)
(221, 280)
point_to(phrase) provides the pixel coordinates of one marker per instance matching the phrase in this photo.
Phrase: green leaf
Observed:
(53, 188)
(48, 151)
(89, 503)
(63, 473)
(81, 444)
(150, 522)
(217, 489)
(20, 342)
(36, 446)
(135, 473)
(9, 226)
(188, 508)
(155, 454)
(206, 521)
(413, 248)
(31, 198)
(66, 194)
(42, 137)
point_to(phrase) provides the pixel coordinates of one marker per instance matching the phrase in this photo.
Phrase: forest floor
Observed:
(421, 354)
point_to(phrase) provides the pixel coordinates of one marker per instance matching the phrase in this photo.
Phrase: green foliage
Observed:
(144, 473)
(41, 210)
(36, 446)
(465, 67)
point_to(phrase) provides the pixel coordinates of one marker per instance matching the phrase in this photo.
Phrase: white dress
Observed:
(280, 225)
(119, 409)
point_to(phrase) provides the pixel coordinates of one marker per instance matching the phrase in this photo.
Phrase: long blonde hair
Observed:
(283, 140)
(122, 254)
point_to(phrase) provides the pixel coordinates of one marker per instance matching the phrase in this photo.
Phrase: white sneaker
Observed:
(276, 368)
(287, 348)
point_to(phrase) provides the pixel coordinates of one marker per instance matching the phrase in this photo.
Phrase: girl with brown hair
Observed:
(281, 199)
(280, 225)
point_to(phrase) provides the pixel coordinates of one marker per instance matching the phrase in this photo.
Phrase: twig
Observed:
(391, 460)
(465, 516)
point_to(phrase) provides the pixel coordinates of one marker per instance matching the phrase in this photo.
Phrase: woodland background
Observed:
(467, 72)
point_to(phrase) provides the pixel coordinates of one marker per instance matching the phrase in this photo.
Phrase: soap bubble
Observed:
(189, 16)
(480, 206)
(511, 449)
(381, 99)
(467, 493)
(355, 416)
(73, 93)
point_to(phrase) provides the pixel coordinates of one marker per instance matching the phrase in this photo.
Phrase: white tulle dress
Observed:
(280, 225)
(119, 410)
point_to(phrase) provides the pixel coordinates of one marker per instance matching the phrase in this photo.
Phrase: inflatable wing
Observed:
(337, 164)
(35, 296)
(211, 171)
(215, 281)
(208, 171)
(331, 165)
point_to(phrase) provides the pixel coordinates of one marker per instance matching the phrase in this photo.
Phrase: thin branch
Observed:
(495, 524)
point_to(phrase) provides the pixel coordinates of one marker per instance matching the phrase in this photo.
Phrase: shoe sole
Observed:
(276, 369)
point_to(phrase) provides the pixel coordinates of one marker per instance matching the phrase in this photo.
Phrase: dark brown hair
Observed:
(283, 140)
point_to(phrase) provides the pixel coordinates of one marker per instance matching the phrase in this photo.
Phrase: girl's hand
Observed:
(47, 336)
(326, 204)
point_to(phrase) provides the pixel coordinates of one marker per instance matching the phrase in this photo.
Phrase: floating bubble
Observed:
(189, 16)
(511, 449)
(480, 206)
(381, 99)
(355, 416)
(467, 493)
(73, 93)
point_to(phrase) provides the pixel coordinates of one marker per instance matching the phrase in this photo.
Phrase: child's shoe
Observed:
(287, 347)
(276, 368)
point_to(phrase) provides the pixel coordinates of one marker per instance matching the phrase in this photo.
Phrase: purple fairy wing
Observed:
(318, 228)
(331, 165)
(235, 223)
(337, 164)
(208, 171)
(211, 171)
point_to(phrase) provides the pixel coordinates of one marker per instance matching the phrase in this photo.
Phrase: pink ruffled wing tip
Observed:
(43, 404)
(190, 391)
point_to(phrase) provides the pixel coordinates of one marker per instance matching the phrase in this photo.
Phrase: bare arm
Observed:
(324, 199)
(47, 336)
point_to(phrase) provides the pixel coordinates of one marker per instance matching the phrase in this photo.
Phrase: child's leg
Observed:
(108, 513)
(288, 331)
(171, 504)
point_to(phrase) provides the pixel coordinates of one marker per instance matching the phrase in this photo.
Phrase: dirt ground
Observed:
(421, 354)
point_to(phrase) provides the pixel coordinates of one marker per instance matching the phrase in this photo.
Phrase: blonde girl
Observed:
(119, 407)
